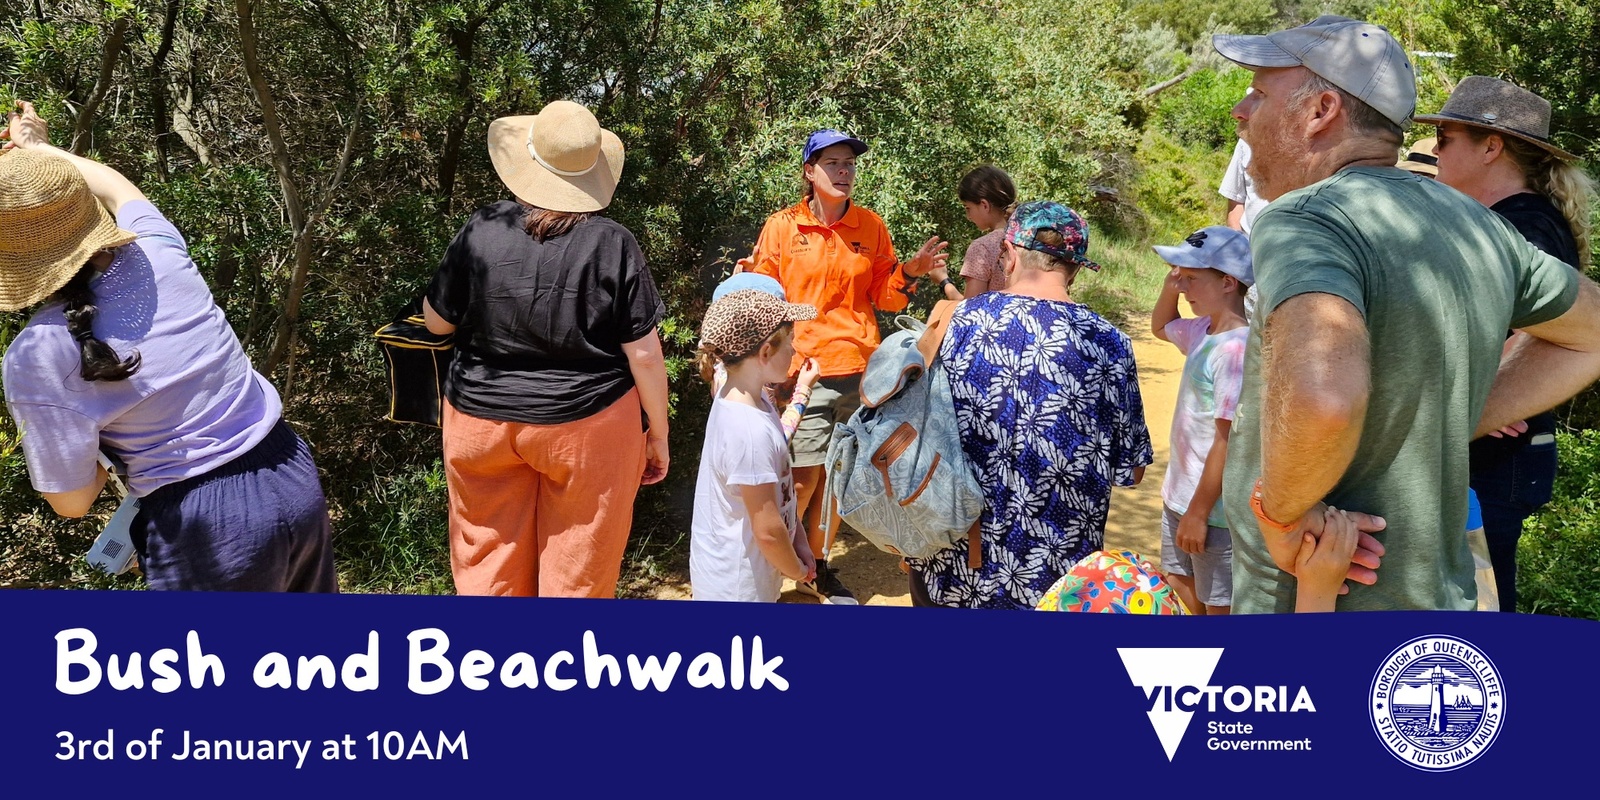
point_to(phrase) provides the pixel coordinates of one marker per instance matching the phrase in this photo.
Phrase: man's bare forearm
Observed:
(1551, 363)
(1316, 378)
(1536, 377)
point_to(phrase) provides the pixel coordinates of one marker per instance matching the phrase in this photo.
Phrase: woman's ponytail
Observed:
(1572, 191)
(1569, 188)
(97, 360)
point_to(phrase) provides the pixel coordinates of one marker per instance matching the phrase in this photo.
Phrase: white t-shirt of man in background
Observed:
(1241, 190)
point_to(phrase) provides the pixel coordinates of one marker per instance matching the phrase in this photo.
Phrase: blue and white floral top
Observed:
(1047, 396)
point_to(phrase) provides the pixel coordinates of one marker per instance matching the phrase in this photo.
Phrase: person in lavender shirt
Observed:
(128, 354)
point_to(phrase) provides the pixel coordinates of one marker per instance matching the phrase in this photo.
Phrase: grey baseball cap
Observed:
(1218, 247)
(1358, 57)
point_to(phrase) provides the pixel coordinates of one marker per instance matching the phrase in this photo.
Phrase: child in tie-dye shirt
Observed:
(1212, 270)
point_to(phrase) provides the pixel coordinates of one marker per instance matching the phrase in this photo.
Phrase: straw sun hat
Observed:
(50, 224)
(1421, 158)
(559, 159)
(1499, 107)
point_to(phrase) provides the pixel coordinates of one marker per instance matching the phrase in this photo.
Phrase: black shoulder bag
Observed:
(416, 362)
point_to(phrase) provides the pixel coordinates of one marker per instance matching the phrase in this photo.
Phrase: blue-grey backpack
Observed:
(896, 470)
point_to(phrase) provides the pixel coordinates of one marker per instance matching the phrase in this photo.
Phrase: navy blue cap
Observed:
(828, 137)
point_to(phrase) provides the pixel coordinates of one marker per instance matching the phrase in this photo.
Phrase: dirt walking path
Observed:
(1134, 523)
(1135, 519)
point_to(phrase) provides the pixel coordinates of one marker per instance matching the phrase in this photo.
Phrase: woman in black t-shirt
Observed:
(1494, 145)
(557, 367)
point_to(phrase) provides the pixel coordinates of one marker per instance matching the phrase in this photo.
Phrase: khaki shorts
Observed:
(833, 400)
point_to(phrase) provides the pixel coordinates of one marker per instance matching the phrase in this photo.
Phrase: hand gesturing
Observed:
(931, 255)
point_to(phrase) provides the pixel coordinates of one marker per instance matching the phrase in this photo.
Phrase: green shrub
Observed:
(1199, 111)
(1176, 187)
(1126, 287)
(401, 544)
(1559, 556)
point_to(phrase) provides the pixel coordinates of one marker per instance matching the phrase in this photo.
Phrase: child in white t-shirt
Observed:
(1212, 269)
(746, 537)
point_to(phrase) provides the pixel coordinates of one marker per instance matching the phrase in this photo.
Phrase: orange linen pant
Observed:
(542, 510)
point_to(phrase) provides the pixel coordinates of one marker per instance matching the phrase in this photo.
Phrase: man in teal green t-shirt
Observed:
(1375, 350)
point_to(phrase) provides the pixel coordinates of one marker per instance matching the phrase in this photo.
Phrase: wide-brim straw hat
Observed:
(1421, 158)
(50, 225)
(559, 159)
(1501, 107)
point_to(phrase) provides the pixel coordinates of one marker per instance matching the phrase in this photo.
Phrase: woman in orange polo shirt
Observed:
(837, 256)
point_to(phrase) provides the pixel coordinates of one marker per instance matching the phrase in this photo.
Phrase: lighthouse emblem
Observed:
(1437, 703)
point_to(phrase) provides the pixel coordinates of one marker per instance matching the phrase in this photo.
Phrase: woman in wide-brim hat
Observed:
(1494, 145)
(129, 355)
(556, 399)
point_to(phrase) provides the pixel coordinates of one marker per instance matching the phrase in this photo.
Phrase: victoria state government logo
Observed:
(1177, 684)
(1437, 703)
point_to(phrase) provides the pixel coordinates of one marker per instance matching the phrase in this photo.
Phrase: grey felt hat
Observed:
(1501, 107)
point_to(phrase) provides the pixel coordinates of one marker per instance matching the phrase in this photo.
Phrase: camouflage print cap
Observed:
(738, 323)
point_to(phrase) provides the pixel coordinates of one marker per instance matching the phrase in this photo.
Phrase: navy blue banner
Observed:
(228, 695)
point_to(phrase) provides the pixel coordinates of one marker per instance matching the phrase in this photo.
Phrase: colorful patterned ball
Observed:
(1113, 583)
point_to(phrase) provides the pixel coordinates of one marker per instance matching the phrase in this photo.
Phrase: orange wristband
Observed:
(1268, 524)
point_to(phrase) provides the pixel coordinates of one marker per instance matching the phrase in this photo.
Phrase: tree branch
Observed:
(346, 156)
(158, 89)
(292, 202)
(463, 43)
(333, 25)
(183, 120)
(463, 40)
(108, 67)
(702, 93)
(1151, 91)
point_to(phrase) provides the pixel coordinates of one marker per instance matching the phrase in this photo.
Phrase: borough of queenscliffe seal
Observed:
(1437, 703)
